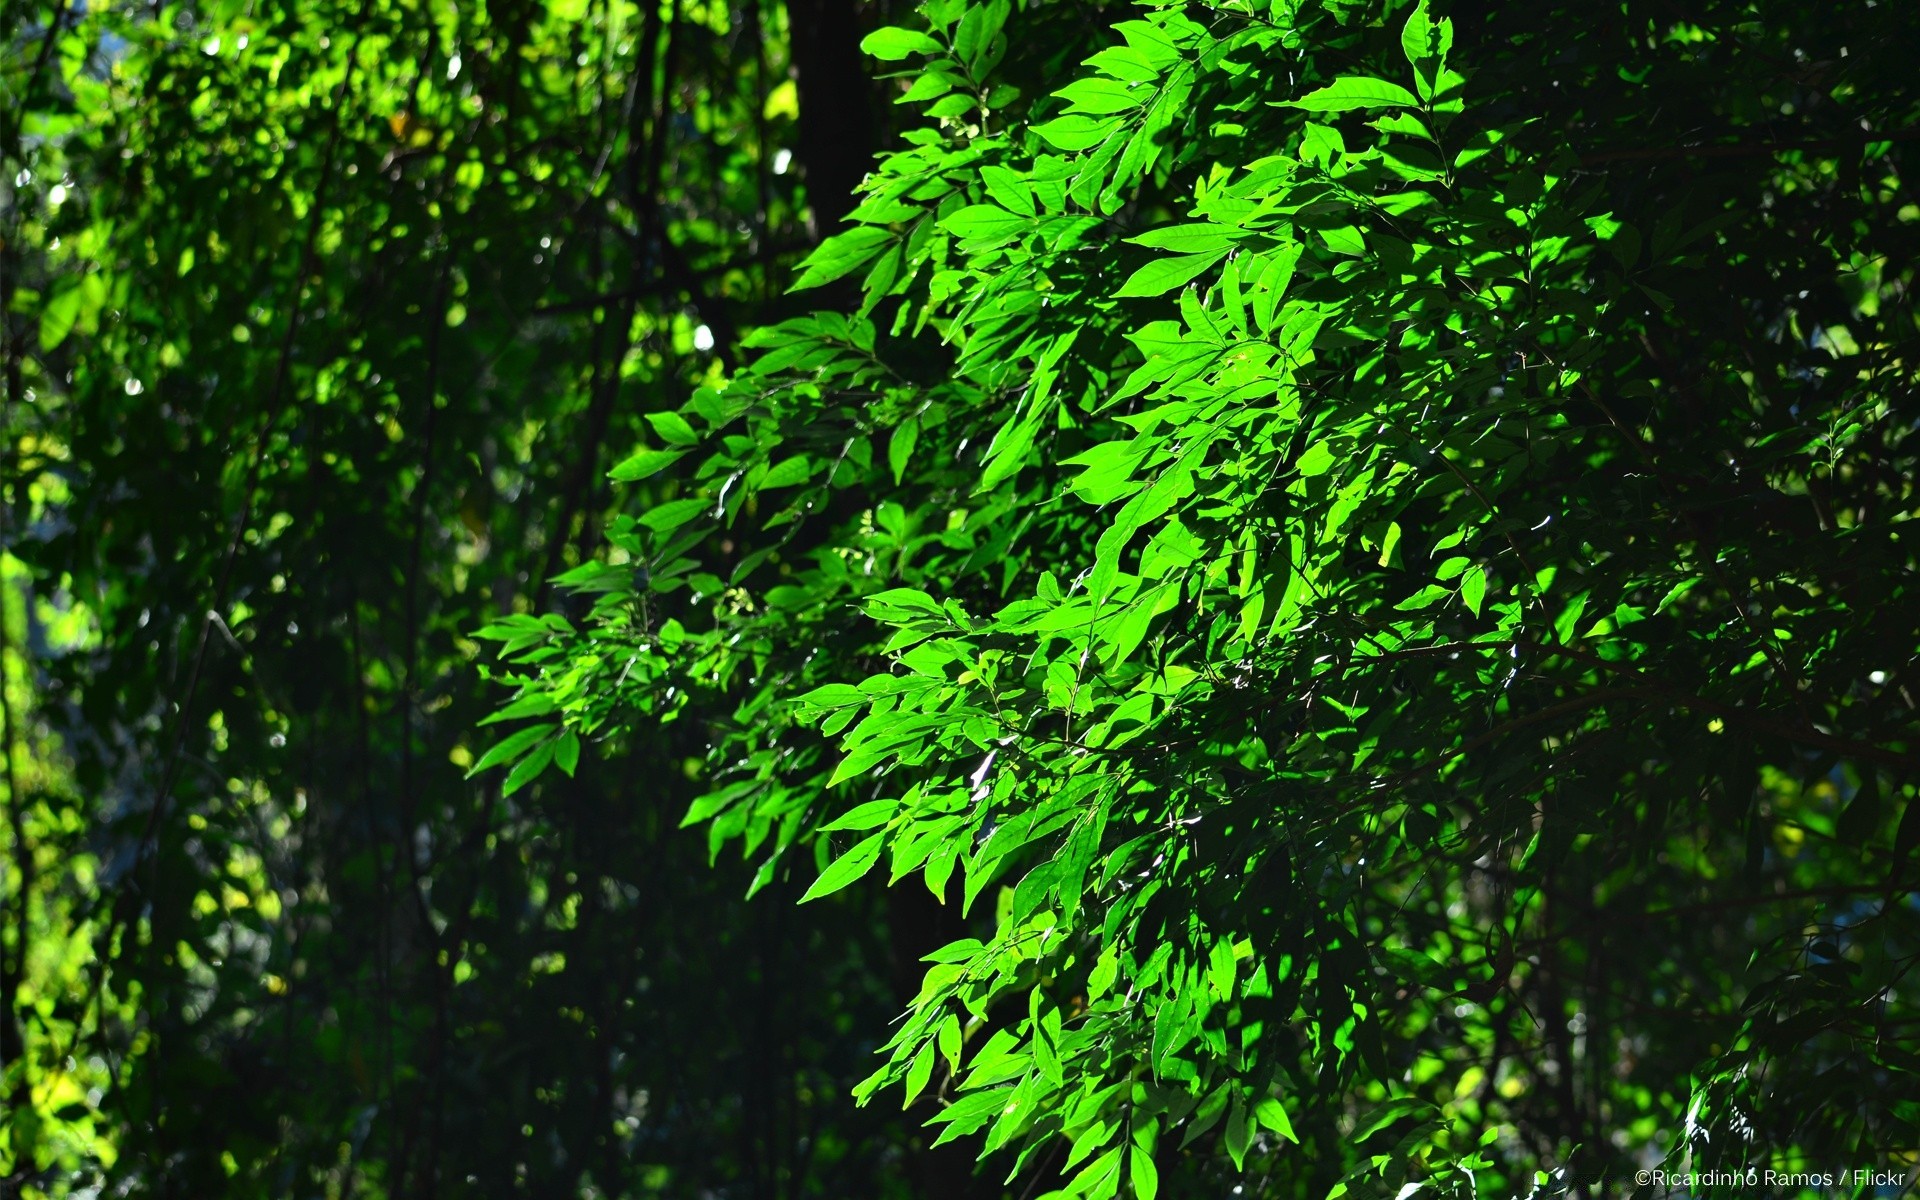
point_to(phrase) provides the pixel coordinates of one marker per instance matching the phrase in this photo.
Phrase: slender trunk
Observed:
(838, 132)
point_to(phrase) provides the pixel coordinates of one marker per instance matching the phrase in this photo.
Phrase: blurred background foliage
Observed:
(323, 323)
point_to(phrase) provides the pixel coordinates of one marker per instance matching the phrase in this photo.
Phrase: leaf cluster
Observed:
(1366, 557)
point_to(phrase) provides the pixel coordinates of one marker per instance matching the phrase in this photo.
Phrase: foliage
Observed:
(1365, 545)
(320, 321)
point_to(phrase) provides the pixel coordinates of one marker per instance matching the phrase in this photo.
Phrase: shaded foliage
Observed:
(321, 321)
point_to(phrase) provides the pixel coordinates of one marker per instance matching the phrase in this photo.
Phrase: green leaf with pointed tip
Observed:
(1077, 131)
(918, 1075)
(841, 255)
(529, 768)
(1162, 275)
(670, 516)
(511, 747)
(533, 704)
(1426, 43)
(870, 815)
(1144, 1175)
(1351, 92)
(795, 470)
(1199, 238)
(1473, 588)
(900, 447)
(985, 221)
(673, 428)
(848, 868)
(644, 464)
(1239, 1135)
(1273, 1114)
(566, 752)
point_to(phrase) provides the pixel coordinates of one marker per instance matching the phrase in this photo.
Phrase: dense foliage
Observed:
(1367, 548)
(1345, 559)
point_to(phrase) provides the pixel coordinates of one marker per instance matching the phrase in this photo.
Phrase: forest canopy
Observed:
(1277, 598)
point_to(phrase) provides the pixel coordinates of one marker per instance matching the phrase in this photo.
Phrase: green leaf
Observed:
(859, 760)
(1345, 239)
(1046, 1059)
(841, 255)
(673, 428)
(986, 222)
(870, 815)
(1162, 275)
(903, 603)
(1351, 92)
(1105, 969)
(892, 43)
(969, 1113)
(832, 695)
(645, 463)
(529, 768)
(1317, 459)
(1008, 453)
(1426, 42)
(670, 516)
(566, 752)
(900, 447)
(918, 1075)
(1010, 189)
(1238, 1135)
(1567, 626)
(787, 473)
(1099, 1179)
(1077, 132)
(1102, 96)
(1145, 1176)
(1273, 1114)
(511, 747)
(1222, 967)
(847, 868)
(532, 704)
(1473, 588)
(1200, 238)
